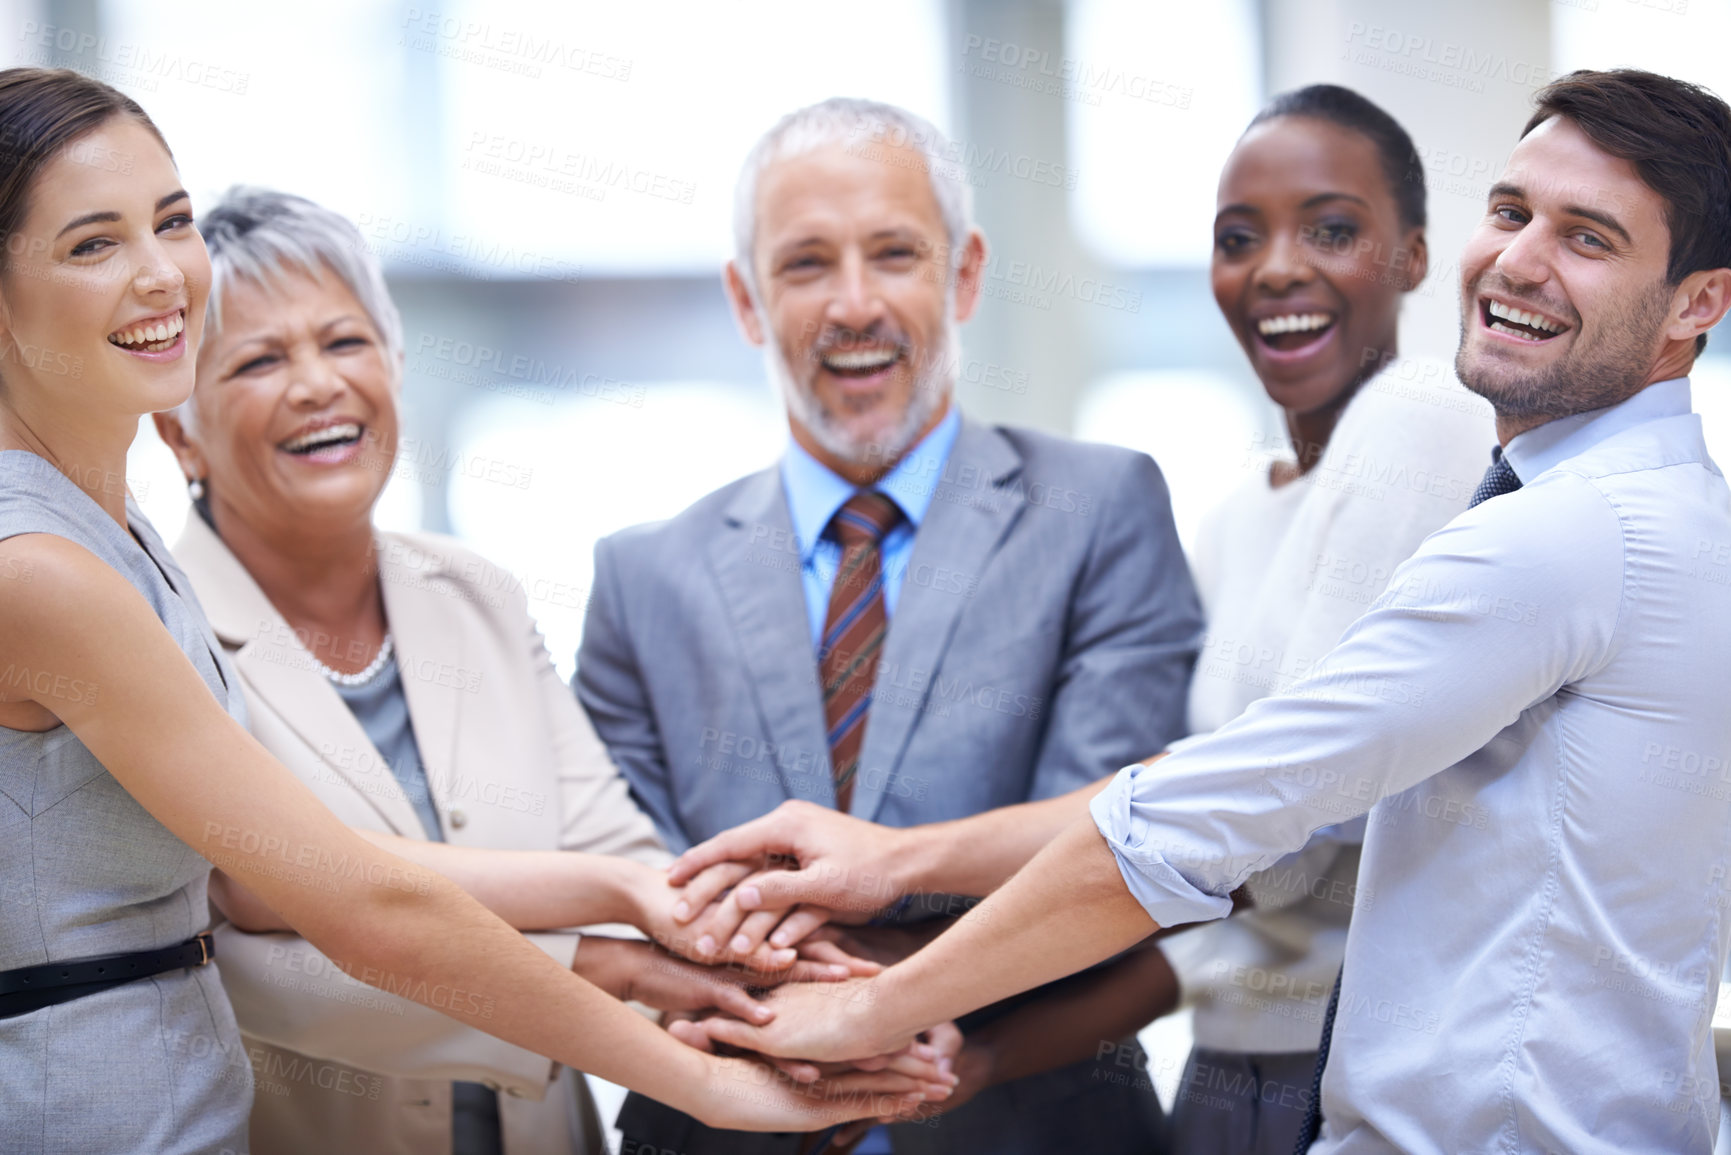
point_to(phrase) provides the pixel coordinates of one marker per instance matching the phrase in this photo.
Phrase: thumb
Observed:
(785, 889)
(733, 1032)
(692, 1034)
(736, 1002)
(749, 840)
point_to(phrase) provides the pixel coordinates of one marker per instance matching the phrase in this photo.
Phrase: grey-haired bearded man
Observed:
(911, 617)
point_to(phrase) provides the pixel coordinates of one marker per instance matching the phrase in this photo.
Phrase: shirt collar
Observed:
(1554, 442)
(815, 491)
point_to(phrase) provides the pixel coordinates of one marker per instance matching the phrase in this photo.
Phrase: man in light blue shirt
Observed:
(1533, 717)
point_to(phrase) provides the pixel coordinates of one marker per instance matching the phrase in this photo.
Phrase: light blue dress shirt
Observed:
(1536, 718)
(815, 492)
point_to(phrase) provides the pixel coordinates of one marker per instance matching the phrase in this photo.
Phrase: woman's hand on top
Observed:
(821, 1022)
(743, 1094)
(767, 943)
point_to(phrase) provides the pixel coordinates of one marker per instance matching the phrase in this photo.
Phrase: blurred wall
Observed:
(571, 365)
(1460, 78)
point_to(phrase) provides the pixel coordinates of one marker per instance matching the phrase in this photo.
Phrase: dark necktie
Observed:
(1499, 479)
(853, 632)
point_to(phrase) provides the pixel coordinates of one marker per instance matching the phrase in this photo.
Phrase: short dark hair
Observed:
(42, 112)
(1342, 106)
(1678, 137)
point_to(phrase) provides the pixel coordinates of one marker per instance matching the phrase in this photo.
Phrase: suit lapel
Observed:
(969, 515)
(756, 567)
(281, 673)
(429, 648)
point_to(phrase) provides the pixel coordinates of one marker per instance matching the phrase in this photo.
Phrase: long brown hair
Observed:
(43, 112)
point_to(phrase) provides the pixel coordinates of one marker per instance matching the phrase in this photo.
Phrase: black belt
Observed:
(32, 988)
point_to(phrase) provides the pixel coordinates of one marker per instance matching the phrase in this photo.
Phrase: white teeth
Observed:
(853, 359)
(1293, 323)
(151, 335)
(1499, 327)
(1522, 317)
(330, 433)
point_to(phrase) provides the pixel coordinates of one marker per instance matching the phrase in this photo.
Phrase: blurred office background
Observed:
(549, 187)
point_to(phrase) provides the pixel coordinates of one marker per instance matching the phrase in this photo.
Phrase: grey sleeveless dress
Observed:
(155, 1065)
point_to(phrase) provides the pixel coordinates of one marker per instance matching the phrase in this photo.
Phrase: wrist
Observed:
(719, 1085)
(632, 886)
(598, 961)
(917, 852)
(977, 1064)
(895, 993)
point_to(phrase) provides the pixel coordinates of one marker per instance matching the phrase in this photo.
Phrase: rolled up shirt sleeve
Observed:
(1147, 862)
(1494, 614)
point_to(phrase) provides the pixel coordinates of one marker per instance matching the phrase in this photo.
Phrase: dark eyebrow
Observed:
(87, 219)
(106, 217)
(1609, 222)
(1321, 198)
(1597, 217)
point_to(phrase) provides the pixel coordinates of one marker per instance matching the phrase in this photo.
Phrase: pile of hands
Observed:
(740, 966)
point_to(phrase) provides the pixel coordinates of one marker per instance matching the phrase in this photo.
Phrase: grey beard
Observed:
(1574, 385)
(933, 383)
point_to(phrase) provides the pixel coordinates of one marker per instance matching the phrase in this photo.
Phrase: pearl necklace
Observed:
(362, 677)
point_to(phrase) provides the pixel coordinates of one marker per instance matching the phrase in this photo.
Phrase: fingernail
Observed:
(706, 945)
(914, 1097)
(682, 910)
(740, 944)
(749, 896)
(782, 958)
(944, 1066)
(760, 1012)
(924, 1051)
(838, 971)
(779, 938)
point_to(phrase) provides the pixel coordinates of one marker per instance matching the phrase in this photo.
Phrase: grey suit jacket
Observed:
(1043, 637)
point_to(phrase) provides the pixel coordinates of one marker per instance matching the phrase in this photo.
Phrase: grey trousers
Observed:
(1230, 1103)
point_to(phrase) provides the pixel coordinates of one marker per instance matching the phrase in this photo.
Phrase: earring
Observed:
(195, 489)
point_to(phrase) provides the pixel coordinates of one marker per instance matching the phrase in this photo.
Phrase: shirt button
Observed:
(459, 819)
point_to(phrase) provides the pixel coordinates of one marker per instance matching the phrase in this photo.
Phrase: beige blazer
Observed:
(512, 762)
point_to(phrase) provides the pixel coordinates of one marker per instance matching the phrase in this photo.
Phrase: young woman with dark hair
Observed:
(124, 765)
(1318, 236)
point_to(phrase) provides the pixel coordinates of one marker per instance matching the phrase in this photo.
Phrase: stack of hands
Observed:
(761, 951)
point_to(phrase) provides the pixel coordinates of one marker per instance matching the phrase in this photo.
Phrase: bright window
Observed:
(1159, 95)
(534, 495)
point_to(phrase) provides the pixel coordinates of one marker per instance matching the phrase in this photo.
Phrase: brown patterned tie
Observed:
(853, 632)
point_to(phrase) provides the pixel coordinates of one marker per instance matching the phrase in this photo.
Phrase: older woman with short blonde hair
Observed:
(402, 678)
